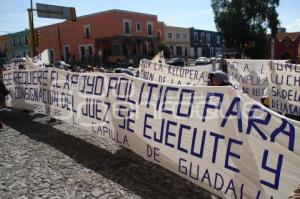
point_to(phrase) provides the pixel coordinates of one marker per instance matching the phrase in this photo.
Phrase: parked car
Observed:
(212, 59)
(175, 62)
(18, 59)
(202, 61)
(125, 63)
(219, 58)
(124, 70)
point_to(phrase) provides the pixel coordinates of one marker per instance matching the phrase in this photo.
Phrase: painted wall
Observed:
(287, 46)
(18, 44)
(178, 40)
(102, 25)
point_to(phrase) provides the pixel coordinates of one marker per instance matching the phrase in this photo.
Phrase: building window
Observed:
(172, 50)
(87, 31)
(66, 53)
(127, 27)
(25, 40)
(169, 35)
(51, 56)
(85, 51)
(202, 36)
(184, 36)
(196, 37)
(149, 28)
(179, 50)
(159, 34)
(138, 27)
(177, 35)
(218, 39)
(208, 38)
(14, 42)
(20, 41)
(82, 53)
(90, 50)
(218, 51)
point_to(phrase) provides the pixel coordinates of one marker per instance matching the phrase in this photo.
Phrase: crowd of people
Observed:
(216, 78)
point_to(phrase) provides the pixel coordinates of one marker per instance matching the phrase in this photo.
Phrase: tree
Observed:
(244, 23)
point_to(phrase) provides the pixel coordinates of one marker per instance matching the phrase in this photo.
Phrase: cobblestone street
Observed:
(63, 161)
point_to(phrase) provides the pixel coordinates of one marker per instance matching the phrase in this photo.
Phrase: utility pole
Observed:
(31, 30)
(59, 42)
(47, 11)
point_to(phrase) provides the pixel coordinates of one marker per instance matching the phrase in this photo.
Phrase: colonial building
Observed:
(205, 43)
(285, 46)
(114, 34)
(18, 44)
(178, 41)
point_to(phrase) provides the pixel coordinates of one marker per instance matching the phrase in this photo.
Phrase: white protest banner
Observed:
(216, 137)
(15, 64)
(158, 72)
(159, 58)
(249, 76)
(28, 63)
(284, 88)
(38, 61)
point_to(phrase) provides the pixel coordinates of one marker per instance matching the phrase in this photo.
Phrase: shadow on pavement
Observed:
(124, 167)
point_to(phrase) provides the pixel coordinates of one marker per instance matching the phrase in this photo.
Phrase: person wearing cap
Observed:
(219, 78)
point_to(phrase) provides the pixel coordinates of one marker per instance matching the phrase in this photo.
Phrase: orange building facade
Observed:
(113, 35)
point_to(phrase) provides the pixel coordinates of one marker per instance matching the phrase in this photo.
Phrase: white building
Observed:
(178, 40)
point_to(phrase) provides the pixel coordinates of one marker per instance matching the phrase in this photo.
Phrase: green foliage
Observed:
(163, 47)
(243, 22)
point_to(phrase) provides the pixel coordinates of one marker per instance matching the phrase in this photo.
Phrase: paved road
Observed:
(38, 160)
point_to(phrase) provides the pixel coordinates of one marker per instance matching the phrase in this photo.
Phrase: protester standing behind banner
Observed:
(219, 78)
(223, 65)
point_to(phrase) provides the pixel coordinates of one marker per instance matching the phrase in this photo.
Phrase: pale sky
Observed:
(188, 13)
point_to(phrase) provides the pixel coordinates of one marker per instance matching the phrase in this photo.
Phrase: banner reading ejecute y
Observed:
(216, 137)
